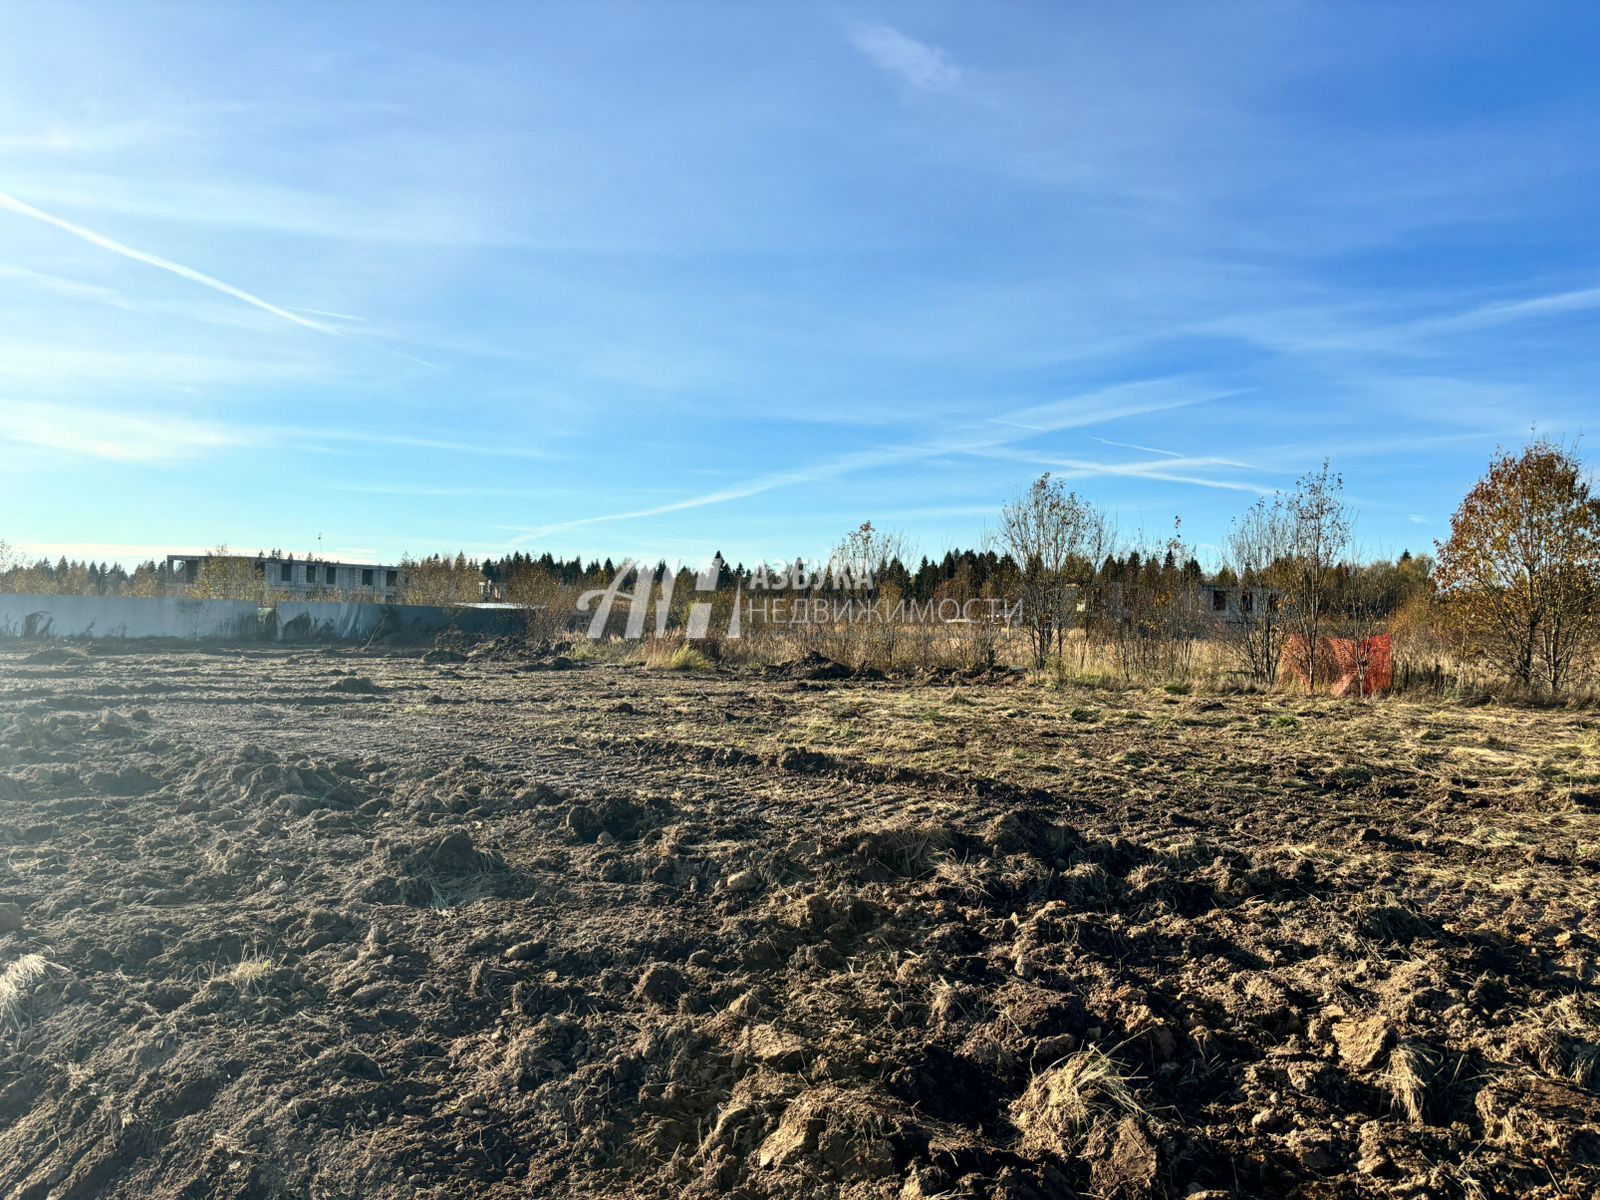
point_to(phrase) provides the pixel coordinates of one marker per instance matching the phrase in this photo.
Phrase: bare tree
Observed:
(1056, 539)
(1095, 540)
(1319, 537)
(545, 602)
(440, 580)
(1367, 611)
(1152, 630)
(1257, 551)
(871, 554)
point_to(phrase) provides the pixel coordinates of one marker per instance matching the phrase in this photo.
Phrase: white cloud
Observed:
(1163, 470)
(498, 449)
(40, 366)
(123, 552)
(1490, 315)
(912, 62)
(1076, 412)
(69, 288)
(101, 433)
(12, 204)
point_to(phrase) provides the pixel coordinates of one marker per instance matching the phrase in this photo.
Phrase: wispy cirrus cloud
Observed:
(1110, 404)
(1392, 330)
(1162, 470)
(106, 434)
(495, 449)
(70, 289)
(159, 438)
(1508, 312)
(914, 63)
(70, 367)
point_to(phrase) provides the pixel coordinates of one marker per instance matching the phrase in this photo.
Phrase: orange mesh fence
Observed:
(1342, 666)
(1292, 660)
(1365, 667)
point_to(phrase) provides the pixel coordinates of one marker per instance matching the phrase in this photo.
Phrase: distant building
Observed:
(303, 576)
(1235, 605)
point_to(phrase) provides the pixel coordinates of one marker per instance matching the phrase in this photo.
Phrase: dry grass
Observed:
(1411, 1069)
(1061, 1104)
(1564, 1040)
(908, 848)
(667, 656)
(17, 982)
(248, 974)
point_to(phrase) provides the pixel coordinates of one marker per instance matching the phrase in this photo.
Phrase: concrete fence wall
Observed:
(241, 620)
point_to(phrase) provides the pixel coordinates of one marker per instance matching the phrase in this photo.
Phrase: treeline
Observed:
(969, 574)
(1514, 590)
(958, 574)
(73, 578)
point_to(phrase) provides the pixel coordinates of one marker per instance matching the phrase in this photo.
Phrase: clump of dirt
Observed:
(56, 656)
(842, 1134)
(614, 818)
(252, 779)
(815, 666)
(1064, 1103)
(1548, 1120)
(529, 655)
(468, 786)
(438, 870)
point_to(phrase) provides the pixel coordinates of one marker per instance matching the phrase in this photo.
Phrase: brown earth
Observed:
(332, 924)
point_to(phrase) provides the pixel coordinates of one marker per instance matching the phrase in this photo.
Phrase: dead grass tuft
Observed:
(908, 848)
(1392, 920)
(663, 656)
(1063, 1103)
(248, 974)
(1563, 1040)
(17, 982)
(1411, 1069)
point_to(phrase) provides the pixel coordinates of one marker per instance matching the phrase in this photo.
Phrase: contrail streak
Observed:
(1052, 417)
(12, 204)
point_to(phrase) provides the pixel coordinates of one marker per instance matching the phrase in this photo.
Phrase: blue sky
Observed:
(667, 278)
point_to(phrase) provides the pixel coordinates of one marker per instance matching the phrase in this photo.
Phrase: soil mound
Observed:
(56, 656)
(259, 781)
(440, 870)
(817, 667)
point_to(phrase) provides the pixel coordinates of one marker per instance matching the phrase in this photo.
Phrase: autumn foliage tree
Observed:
(1521, 572)
(440, 580)
(229, 576)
